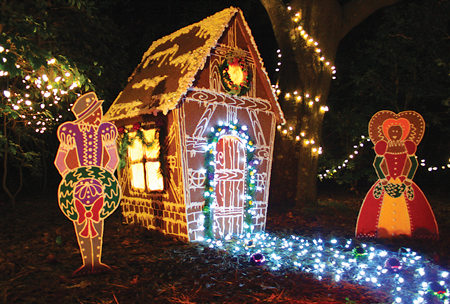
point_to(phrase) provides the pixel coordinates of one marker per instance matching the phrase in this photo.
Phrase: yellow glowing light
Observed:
(136, 150)
(236, 74)
(155, 180)
(148, 175)
(137, 176)
(311, 103)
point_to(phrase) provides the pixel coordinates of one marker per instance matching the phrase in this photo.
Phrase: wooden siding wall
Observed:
(163, 211)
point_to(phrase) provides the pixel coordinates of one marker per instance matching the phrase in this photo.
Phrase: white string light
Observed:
(344, 260)
(294, 96)
(288, 130)
(330, 173)
(52, 83)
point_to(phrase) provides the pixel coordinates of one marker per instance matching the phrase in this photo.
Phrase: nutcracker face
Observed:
(95, 118)
(395, 132)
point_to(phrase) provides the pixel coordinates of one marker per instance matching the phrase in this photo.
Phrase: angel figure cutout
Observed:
(89, 192)
(395, 205)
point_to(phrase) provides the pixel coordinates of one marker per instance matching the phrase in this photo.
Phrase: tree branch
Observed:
(356, 11)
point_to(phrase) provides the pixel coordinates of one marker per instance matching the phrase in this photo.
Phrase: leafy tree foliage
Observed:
(402, 64)
(50, 51)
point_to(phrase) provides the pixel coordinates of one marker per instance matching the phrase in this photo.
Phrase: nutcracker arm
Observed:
(60, 160)
(414, 165)
(377, 165)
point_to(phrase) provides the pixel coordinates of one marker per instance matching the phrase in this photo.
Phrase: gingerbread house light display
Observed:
(196, 126)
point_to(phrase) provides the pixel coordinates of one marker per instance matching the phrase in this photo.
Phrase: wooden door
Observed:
(230, 175)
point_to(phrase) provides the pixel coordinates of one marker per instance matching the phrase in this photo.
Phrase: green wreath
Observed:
(108, 181)
(234, 64)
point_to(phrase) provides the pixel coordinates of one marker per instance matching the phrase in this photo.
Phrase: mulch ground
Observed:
(39, 252)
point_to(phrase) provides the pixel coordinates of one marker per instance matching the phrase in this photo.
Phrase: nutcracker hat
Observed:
(85, 105)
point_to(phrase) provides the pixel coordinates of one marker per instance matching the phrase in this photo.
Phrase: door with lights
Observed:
(230, 173)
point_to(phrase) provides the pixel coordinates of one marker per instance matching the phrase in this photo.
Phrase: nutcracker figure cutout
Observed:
(89, 192)
(395, 205)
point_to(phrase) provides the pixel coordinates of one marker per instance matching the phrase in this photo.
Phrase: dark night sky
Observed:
(144, 21)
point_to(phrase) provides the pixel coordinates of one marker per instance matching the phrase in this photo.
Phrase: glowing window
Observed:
(144, 162)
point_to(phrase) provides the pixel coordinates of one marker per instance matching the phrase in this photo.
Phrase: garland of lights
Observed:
(239, 131)
(234, 68)
(330, 173)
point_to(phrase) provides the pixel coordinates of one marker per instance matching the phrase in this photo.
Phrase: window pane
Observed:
(137, 176)
(154, 177)
(152, 152)
(135, 151)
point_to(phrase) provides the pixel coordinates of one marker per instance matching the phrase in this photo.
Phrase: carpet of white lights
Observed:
(408, 276)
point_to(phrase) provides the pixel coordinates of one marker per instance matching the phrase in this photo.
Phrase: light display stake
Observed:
(393, 265)
(241, 132)
(257, 259)
(359, 252)
(89, 192)
(438, 290)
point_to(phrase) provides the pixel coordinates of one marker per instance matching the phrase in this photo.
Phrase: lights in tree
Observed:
(36, 102)
(330, 173)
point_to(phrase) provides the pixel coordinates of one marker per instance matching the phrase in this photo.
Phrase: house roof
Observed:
(168, 69)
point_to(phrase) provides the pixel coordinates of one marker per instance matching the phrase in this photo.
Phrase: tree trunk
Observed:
(308, 34)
